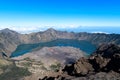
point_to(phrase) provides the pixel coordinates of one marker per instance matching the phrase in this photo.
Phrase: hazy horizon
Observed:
(106, 30)
(27, 16)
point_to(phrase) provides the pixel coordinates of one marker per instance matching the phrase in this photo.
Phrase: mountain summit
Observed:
(51, 29)
(7, 30)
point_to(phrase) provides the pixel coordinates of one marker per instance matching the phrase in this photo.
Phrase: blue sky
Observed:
(60, 14)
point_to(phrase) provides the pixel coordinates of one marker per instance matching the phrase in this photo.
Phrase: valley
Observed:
(85, 46)
(57, 54)
(10, 40)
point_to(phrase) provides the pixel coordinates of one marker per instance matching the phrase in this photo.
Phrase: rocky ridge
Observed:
(104, 64)
(9, 40)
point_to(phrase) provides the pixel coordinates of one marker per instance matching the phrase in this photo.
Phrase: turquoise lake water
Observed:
(82, 45)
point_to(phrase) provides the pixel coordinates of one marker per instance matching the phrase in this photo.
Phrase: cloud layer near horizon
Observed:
(90, 29)
(30, 29)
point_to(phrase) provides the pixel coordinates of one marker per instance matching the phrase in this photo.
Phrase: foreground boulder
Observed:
(106, 58)
(81, 67)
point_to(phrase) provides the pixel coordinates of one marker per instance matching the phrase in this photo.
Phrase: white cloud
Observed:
(25, 29)
(100, 32)
(30, 29)
(72, 27)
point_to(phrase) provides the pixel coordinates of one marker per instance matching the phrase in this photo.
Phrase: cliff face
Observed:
(103, 64)
(9, 39)
(47, 35)
(97, 38)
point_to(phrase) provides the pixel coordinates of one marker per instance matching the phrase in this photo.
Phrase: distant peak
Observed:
(50, 30)
(7, 30)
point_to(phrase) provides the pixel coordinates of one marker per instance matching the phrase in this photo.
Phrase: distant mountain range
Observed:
(9, 39)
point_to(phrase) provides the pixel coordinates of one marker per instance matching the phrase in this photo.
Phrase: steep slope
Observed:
(47, 35)
(9, 40)
(100, 38)
(9, 70)
(103, 64)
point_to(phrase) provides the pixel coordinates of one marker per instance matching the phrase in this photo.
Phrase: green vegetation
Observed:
(38, 63)
(12, 72)
(55, 67)
(29, 62)
(26, 64)
(28, 59)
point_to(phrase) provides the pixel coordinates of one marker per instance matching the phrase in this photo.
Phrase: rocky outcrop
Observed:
(80, 68)
(97, 76)
(107, 57)
(102, 64)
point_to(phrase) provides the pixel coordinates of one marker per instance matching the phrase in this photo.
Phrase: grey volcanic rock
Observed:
(100, 38)
(108, 51)
(104, 64)
(53, 55)
(107, 58)
(82, 67)
(79, 68)
(98, 76)
(9, 39)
